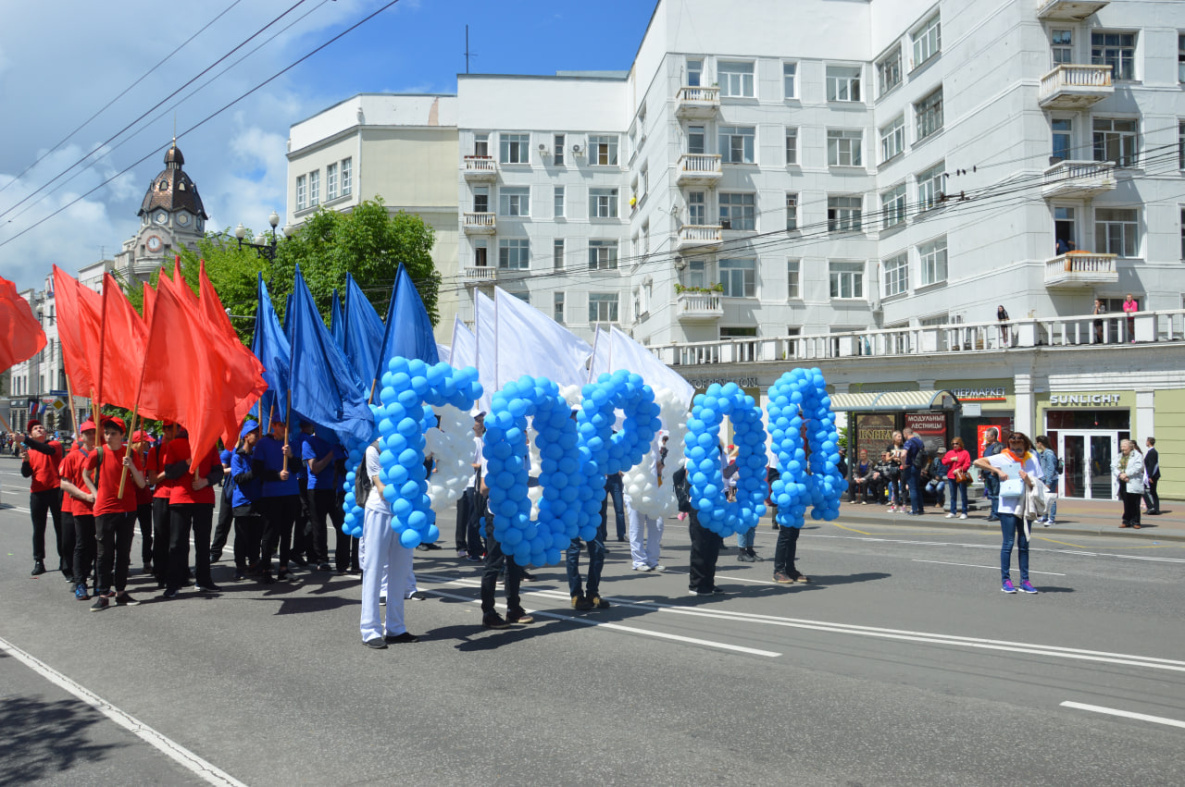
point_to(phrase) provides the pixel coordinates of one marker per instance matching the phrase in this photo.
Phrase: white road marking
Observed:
(1124, 713)
(972, 565)
(183, 756)
(1032, 548)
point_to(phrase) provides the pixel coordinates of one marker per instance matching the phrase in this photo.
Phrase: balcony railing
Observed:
(479, 223)
(699, 169)
(697, 102)
(480, 168)
(696, 236)
(1081, 269)
(699, 305)
(1075, 86)
(1079, 179)
(480, 273)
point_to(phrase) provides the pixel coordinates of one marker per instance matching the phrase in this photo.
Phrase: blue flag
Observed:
(271, 347)
(409, 329)
(364, 333)
(337, 323)
(325, 389)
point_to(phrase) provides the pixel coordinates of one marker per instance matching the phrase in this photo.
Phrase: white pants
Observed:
(383, 558)
(411, 575)
(645, 539)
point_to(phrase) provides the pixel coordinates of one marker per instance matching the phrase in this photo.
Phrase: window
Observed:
(1065, 230)
(888, 71)
(602, 203)
(695, 73)
(736, 79)
(481, 199)
(480, 253)
(557, 309)
(347, 180)
(514, 148)
(1181, 145)
(558, 202)
(643, 182)
(893, 207)
(557, 254)
(737, 144)
(314, 188)
(844, 214)
(602, 307)
(330, 182)
(933, 261)
(1117, 50)
(514, 201)
(1063, 139)
(793, 280)
(927, 41)
(1116, 140)
(896, 274)
(930, 187)
(1062, 43)
(791, 146)
(893, 139)
(557, 150)
(843, 147)
(697, 211)
(696, 140)
(847, 279)
(790, 80)
(843, 83)
(696, 274)
(1116, 231)
(646, 238)
(1183, 233)
(1180, 58)
(739, 278)
(514, 254)
(791, 212)
(481, 145)
(301, 192)
(928, 114)
(602, 255)
(602, 151)
(738, 211)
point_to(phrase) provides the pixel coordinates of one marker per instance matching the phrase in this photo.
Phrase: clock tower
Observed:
(171, 216)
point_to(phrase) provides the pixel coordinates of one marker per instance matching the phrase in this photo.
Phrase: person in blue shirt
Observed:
(280, 499)
(913, 447)
(304, 551)
(246, 496)
(991, 484)
(320, 458)
(225, 515)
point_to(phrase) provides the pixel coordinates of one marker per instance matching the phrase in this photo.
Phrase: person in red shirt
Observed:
(40, 458)
(162, 489)
(80, 503)
(114, 513)
(141, 441)
(191, 507)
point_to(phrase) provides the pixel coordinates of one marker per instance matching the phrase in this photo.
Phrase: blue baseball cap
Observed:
(247, 429)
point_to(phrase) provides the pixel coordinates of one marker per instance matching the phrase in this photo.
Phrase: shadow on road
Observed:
(42, 740)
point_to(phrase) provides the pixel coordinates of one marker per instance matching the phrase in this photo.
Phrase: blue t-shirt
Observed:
(296, 446)
(225, 456)
(313, 449)
(245, 492)
(912, 446)
(270, 451)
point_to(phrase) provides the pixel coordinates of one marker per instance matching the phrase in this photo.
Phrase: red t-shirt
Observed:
(71, 470)
(143, 496)
(183, 491)
(106, 501)
(156, 465)
(45, 468)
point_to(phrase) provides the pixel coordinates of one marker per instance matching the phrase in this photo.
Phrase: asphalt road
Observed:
(900, 663)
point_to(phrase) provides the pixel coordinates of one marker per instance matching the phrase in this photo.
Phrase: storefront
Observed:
(986, 404)
(1084, 429)
(873, 417)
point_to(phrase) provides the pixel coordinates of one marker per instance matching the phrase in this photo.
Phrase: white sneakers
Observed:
(950, 516)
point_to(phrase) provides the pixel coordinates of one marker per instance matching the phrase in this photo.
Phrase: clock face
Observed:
(154, 243)
(161, 217)
(183, 219)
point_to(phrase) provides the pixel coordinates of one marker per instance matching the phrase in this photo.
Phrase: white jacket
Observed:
(1135, 472)
(1034, 504)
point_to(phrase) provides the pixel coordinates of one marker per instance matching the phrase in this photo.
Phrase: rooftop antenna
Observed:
(468, 54)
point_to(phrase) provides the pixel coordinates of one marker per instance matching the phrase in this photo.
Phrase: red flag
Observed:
(124, 338)
(246, 370)
(149, 301)
(21, 336)
(79, 325)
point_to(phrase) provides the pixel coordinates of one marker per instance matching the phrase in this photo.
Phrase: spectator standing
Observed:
(1002, 316)
(915, 460)
(893, 456)
(1130, 307)
(958, 463)
(1048, 461)
(1018, 458)
(991, 484)
(1129, 472)
(1099, 308)
(1152, 477)
(615, 491)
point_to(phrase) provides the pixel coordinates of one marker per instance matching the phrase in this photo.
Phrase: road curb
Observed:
(1150, 534)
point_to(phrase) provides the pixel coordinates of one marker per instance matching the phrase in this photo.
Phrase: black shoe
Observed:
(208, 587)
(598, 603)
(70, 579)
(431, 547)
(122, 599)
(745, 557)
(325, 567)
(399, 639)
(382, 601)
(215, 557)
(993, 519)
(265, 578)
(299, 562)
(38, 568)
(619, 538)
(376, 643)
(240, 574)
(756, 557)
(170, 593)
(100, 604)
(422, 547)
(419, 595)
(719, 591)
(519, 616)
(494, 621)
(581, 604)
(529, 577)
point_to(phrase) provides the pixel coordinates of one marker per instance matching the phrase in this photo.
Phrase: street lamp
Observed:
(265, 251)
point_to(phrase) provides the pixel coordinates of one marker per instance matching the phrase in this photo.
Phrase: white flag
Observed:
(625, 353)
(464, 349)
(530, 342)
(485, 330)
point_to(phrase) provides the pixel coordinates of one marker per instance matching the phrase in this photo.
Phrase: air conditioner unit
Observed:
(725, 224)
(543, 148)
(577, 150)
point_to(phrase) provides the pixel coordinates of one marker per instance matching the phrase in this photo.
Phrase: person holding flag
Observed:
(78, 509)
(163, 490)
(321, 459)
(141, 441)
(280, 501)
(40, 459)
(114, 513)
(247, 494)
(191, 509)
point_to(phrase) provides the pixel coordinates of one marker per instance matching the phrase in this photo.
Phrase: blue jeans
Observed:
(1053, 504)
(915, 489)
(1013, 530)
(937, 487)
(991, 488)
(955, 490)
(747, 539)
(613, 490)
(596, 559)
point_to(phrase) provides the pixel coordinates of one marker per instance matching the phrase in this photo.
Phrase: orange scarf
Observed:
(1018, 459)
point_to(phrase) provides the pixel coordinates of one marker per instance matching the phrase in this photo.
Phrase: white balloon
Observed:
(643, 494)
(451, 446)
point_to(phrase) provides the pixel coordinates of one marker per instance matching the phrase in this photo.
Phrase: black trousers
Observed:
(248, 536)
(40, 504)
(183, 518)
(160, 540)
(115, 550)
(279, 515)
(705, 549)
(1131, 506)
(323, 505)
(1150, 496)
(84, 547)
(225, 520)
(68, 541)
(302, 533)
(470, 509)
(495, 561)
(144, 517)
(786, 550)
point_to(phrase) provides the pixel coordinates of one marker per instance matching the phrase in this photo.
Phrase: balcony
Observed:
(697, 103)
(478, 223)
(699, 306)
(480, 169)
(699, 169)
(1078, 179)
(479, 274)
(1079, 269)
(1067, 10)
(699, 238)
(1075, 87)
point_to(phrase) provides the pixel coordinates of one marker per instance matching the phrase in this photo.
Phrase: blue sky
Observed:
(237, 159)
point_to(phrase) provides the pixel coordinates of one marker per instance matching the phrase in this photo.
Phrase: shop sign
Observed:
(874, 430)
(702, 383)
(931, 427)
(980, 394)
(1083, 400)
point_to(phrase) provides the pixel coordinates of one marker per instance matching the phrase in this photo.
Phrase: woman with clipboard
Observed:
(1017, 468)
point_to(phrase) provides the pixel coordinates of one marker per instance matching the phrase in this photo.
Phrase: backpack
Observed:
(682, 489)
(921, 459)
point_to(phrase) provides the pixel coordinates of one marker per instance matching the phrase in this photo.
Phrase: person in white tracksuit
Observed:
(385, 560)
(645, 531)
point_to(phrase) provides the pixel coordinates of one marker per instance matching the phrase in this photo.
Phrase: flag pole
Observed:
(287, 421)
(123, 477)
(98, 404)
(70, 403)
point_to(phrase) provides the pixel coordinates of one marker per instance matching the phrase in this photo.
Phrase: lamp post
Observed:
(265, 251)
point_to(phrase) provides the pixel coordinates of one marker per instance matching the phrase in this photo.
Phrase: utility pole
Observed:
(466, 49)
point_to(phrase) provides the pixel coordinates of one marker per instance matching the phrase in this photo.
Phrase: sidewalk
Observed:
(1074, 517)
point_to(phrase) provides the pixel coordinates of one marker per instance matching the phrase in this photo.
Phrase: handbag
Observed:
(1013, 487)
(962, 477)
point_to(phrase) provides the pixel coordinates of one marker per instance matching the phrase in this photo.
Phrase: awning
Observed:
(894, 401)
